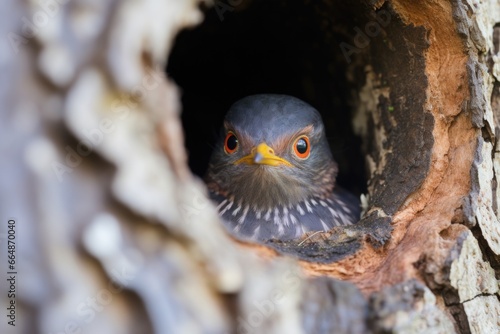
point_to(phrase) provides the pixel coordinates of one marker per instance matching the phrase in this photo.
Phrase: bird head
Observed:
(272, 152)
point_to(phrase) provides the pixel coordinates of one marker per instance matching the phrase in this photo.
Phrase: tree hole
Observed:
(273, 47)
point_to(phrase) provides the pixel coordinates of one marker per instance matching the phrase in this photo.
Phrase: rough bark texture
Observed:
(114, 234)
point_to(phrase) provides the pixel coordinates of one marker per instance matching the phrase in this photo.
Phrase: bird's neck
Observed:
(266, 187)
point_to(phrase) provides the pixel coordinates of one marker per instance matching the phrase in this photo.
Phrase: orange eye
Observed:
(230, 143)
(301, 147)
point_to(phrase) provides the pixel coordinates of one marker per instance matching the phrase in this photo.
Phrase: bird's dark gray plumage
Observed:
(272, 173)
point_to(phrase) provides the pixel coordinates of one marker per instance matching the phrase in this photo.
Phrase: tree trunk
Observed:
(110, 233)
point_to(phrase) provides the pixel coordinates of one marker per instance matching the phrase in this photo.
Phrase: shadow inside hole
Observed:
(266, 47)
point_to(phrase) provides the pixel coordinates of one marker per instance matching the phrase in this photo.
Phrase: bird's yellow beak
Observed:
(263, 155)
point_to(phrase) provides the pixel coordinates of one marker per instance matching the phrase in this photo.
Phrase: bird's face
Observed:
(273, 152)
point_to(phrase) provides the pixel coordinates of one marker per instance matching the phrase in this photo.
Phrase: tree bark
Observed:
(114, 235)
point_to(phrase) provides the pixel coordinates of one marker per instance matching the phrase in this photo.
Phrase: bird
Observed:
(272, 174)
